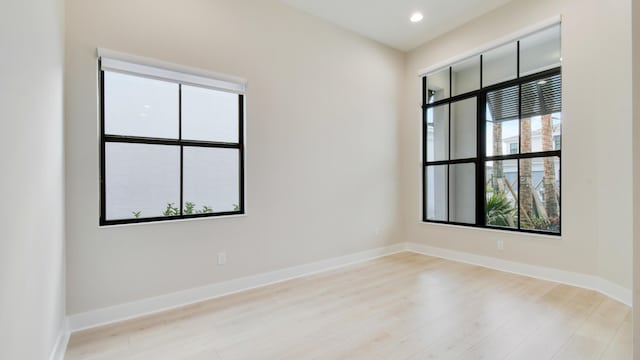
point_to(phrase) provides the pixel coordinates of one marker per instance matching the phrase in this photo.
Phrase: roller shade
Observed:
(121, 62)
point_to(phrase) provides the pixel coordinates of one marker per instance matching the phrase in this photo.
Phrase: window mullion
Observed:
(241, 154)
(480, 150)
(103, 181)
(181, 150)
(424, 148)
(448, 179)
(480, 160)
(518, 60)
(519, 132)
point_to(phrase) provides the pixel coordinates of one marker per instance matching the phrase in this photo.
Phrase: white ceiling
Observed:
(387, 21)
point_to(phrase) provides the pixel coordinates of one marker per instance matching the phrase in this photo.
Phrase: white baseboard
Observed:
(614, 291)
(161, 303)
(590, 282)
(60, 347)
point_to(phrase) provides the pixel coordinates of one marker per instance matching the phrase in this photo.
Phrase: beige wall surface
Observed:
(323, 107)
(596, 156)
(32, 289)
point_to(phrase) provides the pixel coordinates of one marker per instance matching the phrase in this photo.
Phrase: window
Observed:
(172, 144)
(492, 135)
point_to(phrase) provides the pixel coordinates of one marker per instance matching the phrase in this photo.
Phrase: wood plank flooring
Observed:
(404, 306)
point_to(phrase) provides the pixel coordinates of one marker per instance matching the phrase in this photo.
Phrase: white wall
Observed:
(322, 115)
(614, 129)
(31, 230)
(596, 155)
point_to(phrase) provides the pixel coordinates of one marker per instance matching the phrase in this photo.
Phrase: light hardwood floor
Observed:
(404, 306)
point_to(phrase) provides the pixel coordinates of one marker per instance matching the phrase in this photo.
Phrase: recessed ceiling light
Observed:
(416, 17)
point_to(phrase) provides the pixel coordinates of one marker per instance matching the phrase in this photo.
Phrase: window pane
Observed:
(209, 115)
(540, 51)
(438, 133)
(541, 133)
(465, 76)
(436, 192)
(462, 193)
(557, 142)
(463, 128)
(501, 193)
(138, 106)
(211, 180)
(142, 180)
(541, 114)
(438, 86)
(540, 194)
(502, 125)
(500, 64)
(542, 96)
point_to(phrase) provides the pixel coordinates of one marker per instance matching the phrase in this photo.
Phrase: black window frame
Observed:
(180, 142)
(481, 157)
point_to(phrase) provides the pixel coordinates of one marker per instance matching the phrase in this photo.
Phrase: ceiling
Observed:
(387, 21)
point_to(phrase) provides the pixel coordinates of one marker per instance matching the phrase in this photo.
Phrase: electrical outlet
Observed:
(222, 258)
(500, 245)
